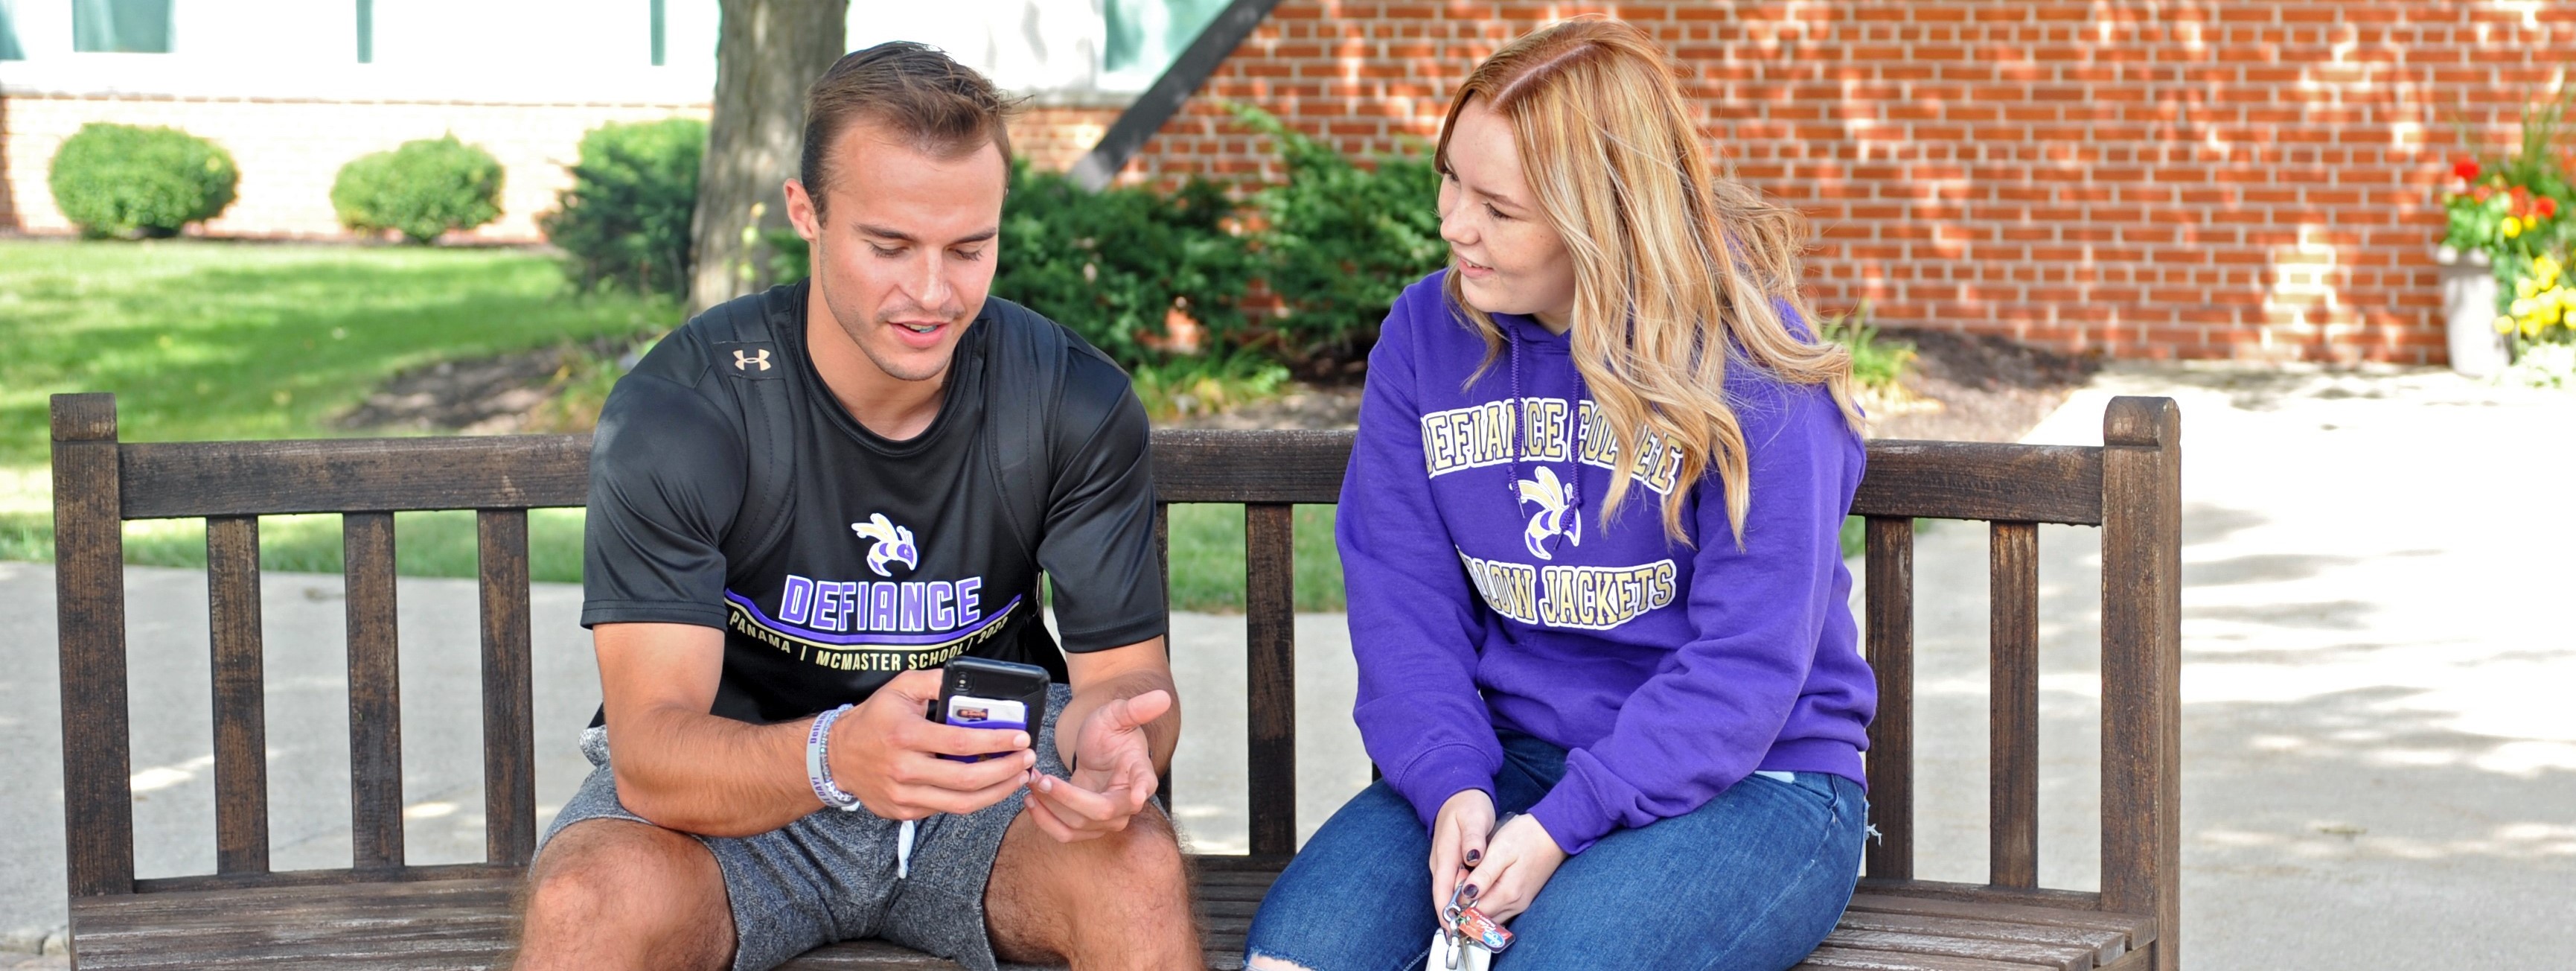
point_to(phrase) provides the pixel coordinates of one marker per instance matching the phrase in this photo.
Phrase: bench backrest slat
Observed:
(1208, 466)
(89, 613)
(188, 479)
(241, 732)
(2012, 630)
(509, 716)
(1889, 642)
(1980, 480)
(1270, 675)
(1163, 569)
(375, 693)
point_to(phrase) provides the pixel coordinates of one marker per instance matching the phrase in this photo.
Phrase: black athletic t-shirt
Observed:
(897, 555)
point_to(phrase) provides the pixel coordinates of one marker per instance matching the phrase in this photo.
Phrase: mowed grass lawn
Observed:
(211, 340)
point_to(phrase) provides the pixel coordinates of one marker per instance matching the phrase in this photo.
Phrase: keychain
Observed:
(1467, 939)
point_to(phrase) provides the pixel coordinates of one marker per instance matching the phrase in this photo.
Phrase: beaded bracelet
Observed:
(818, 762)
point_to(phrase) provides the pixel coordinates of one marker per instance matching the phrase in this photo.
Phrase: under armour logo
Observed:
(743, 362)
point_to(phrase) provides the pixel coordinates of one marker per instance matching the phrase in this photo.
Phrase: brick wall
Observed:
(2146, 178)
(1055, 136)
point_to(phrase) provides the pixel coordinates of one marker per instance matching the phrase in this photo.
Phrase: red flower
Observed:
(2548, 207)
(2466, 169)
(2481, 193)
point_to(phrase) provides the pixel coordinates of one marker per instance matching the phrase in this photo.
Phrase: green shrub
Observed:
(422, 189)
(625, 220)
(1877, 365)
(1342, 241)
(1205, 384)
(111, 180)
(1114, 264)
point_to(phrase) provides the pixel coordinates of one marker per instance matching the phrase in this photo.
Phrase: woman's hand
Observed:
(1518, 861)
(1458, 841)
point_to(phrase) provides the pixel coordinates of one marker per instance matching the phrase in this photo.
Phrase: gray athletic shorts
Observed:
(831, 875)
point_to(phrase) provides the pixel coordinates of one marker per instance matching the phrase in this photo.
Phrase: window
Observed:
(121, 26)
(366, 31)
(9, 49)
(657, 33)
(1146, 36)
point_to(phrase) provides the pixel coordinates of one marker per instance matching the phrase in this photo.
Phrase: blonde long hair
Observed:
(1675, 263)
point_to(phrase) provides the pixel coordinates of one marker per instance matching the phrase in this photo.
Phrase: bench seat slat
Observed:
(1840, 958)
(2137, 930)
(2105, 946)
(464, 923)
(2060, 957)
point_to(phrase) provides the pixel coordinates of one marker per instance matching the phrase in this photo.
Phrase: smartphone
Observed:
(976, 692)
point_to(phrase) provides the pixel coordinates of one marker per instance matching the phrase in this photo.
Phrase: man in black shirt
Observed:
(802, 504)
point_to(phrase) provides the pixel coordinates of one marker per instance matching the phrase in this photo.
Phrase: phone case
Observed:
(986, 694)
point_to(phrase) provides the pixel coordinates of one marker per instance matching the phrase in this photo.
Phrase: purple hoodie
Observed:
(1488, 593)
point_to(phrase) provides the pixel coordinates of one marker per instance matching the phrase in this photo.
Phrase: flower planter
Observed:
(2469, 311)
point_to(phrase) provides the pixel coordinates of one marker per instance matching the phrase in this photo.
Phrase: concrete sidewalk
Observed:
(2379, 752)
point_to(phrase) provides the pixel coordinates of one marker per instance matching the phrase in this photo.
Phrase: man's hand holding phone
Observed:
(886, 754)
(1113, 772)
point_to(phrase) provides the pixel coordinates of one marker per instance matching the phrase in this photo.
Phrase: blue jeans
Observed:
(1751, 881)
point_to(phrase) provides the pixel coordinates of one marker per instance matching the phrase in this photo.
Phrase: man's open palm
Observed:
(1113, 772)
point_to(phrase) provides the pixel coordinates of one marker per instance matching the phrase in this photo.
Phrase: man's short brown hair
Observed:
(941, 107)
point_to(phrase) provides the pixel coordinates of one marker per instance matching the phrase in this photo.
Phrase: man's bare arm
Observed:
(687, 770)
(1117, 735)
(1117, 674)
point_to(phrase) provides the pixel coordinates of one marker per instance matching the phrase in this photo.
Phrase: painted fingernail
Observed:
(1471, 891)
(1473, 856)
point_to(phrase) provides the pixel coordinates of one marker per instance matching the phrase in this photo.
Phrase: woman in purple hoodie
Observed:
(1590, 538)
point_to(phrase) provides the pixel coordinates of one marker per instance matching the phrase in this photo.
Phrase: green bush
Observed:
(1114, 264)
(111, 180)
(1877, 365)
(625, 220)
(1342, 241)
(422, 189)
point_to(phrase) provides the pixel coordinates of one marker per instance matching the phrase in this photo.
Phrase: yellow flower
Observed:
(2512, 227)
(2531, 327)
(2527, 287)
(2503, 324)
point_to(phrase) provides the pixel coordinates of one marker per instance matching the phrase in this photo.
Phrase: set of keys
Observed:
(1467, 939)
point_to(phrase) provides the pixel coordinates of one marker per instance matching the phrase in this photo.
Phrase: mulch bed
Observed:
(482, 396)
(1979, 387)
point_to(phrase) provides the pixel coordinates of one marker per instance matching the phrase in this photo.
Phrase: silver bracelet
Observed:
(818, 762)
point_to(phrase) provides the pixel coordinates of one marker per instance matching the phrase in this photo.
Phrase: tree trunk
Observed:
(767, 53)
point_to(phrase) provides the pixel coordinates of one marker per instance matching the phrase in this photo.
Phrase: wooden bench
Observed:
(382, 913)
